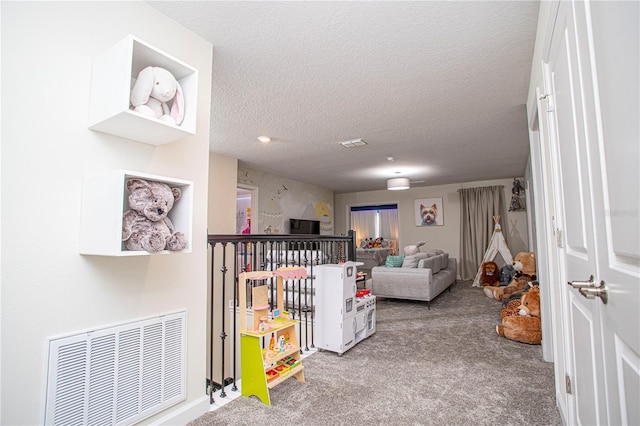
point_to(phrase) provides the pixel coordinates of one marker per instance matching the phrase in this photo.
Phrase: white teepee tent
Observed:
(497, 245)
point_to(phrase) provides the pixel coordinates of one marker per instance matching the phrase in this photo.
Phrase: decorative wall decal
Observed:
(244, 178)
(323, 212)
(272, 217)
(517, 196)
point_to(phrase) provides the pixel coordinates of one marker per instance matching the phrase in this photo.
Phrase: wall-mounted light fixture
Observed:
(397, 184)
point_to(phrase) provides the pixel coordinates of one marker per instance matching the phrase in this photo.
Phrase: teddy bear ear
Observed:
(177, 193)
(135, 184)
(142, 87)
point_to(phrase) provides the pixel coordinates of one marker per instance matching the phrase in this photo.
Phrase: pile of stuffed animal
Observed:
(371, 243)
(516, 287)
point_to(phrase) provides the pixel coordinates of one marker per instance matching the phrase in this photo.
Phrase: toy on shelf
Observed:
(146, 225)
(152, 91)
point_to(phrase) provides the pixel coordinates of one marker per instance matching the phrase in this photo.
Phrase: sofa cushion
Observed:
(437, 264)
(434, 252)
(394, 261)
(445, 261)
(433, 262)
(412, 260)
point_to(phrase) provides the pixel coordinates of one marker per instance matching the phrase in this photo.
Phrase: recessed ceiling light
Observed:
(264, 139)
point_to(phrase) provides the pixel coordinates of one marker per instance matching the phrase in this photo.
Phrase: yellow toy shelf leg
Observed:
(254, 381)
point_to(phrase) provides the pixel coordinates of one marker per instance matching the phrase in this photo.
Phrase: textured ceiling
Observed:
(439, 86)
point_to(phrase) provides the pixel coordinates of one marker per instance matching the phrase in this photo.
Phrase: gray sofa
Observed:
(434, 273)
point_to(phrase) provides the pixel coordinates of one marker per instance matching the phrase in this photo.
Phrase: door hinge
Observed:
(559, 238)
(567, 384)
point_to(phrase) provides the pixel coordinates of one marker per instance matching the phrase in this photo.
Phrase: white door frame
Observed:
(254, 205)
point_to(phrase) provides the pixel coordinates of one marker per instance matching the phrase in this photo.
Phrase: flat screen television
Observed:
(304, 226)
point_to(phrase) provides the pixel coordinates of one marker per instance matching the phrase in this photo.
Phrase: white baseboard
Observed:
(186, 413)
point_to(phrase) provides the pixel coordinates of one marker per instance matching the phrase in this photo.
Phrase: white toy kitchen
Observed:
(344, 315)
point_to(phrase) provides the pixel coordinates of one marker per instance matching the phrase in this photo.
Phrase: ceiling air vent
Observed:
(353, 143)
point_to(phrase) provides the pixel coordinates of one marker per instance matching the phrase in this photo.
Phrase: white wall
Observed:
(48, 288)
(446, 237)
(281, 199)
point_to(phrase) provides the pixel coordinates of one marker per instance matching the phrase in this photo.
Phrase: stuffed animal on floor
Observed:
(511, 305)
(146, 226)
(152, 91)
(507, 272)
(414, 248)
(526, 326)
(490, 274)
(525, 265)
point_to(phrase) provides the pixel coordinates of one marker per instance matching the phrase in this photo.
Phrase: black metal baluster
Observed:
(235, 298)
(303, 296)
(211, 319)
(223, 335)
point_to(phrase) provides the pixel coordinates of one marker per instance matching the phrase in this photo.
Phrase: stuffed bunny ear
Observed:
(177, 109)
(142, 88)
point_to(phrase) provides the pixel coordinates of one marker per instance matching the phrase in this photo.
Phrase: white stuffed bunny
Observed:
(155, 87)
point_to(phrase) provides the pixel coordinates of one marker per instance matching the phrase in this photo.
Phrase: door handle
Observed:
(593, 292)
(583, 284)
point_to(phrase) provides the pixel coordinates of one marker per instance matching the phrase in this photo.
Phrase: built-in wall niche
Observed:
(104, 201)
(112, 78)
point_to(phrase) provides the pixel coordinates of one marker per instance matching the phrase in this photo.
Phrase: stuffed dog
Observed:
(152, 91)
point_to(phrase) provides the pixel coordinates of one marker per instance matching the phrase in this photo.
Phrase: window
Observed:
(375, 221)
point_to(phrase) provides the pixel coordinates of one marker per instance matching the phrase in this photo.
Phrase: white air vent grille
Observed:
(353, 143)
(117, 375)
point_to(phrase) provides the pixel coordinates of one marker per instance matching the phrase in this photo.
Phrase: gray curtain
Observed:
(477, 208)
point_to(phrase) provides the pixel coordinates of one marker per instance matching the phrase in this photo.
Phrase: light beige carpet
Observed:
(444, 366)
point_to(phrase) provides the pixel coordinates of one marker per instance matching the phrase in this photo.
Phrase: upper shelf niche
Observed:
(114, 74)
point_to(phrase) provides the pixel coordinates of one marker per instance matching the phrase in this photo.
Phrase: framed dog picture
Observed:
(429, 212)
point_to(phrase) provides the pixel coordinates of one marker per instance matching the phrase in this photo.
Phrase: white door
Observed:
(592, 85)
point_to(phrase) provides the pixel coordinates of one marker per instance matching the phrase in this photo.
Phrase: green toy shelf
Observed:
(263, 368)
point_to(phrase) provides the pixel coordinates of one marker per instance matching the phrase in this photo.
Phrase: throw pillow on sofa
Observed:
(394, 261)
(412, 261)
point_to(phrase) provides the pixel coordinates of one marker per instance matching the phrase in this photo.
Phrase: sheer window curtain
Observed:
(477, 208)
(389, 226)
(364, 223)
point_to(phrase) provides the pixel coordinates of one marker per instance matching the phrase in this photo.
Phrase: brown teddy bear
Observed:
(490, 275)
(511, 305)
(525, 265)
(146, 226)
(525, 327)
